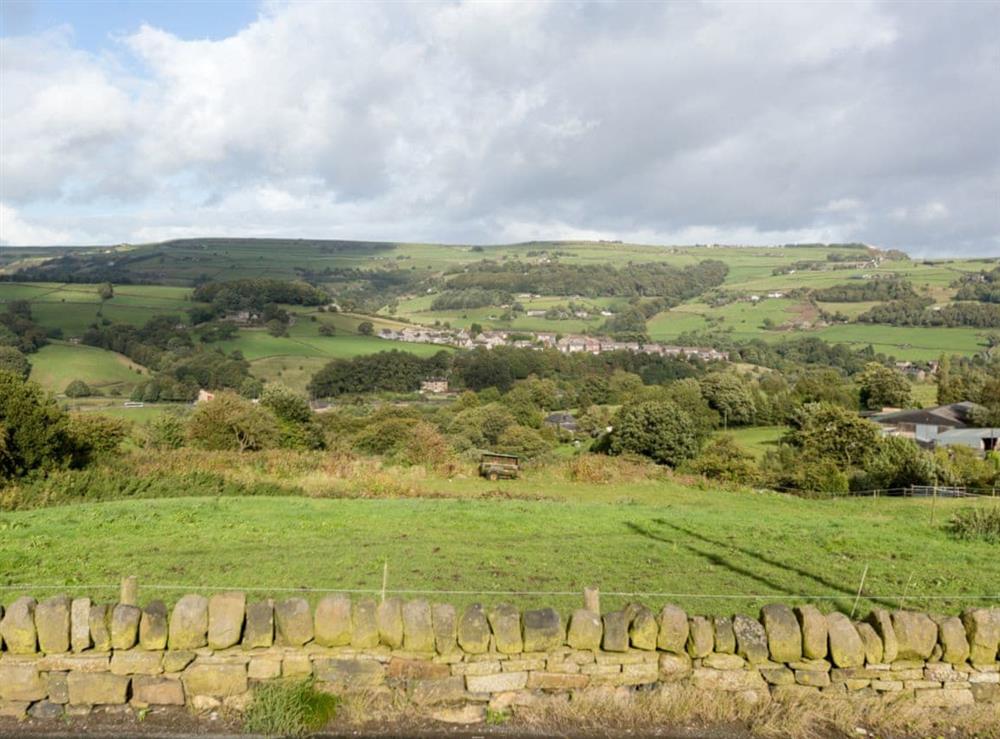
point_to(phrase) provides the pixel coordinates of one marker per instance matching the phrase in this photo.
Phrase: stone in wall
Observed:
(701, 637)
(389, 617)
(544, 630)
(784, 635)
(673, 636)
(474, 630)
(18, 627)
(983, 628)
(80, 624)
(725, 637)
(751, 639)
(846, 647)
(585, 630)
(615, 632)
(153, 630)
(332, 624)
(505, 622)
(643, 631)
(226, 615)
(418, 631)
(873, 645)
(189, 623)
(814, 633)
(124, 626)
(953, 641)
(916, 634)
(881, 621)
(259, 629)
(293, 622)
(52, 624)
(444, 618)
(364, 625)
(100, 627)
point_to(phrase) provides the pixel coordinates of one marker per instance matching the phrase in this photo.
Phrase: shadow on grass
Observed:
(717, 559)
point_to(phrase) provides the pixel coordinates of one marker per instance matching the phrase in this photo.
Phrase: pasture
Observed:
(687, 544)
(56, 365)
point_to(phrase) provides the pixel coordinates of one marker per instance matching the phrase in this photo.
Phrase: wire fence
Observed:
(909, 491)
(503, 593)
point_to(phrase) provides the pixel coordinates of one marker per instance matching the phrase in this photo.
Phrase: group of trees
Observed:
(921, 312)
(593, 280)
(983, 286)
(36, 435)
(19, 330)
(179, 365)
(889, 288)
(470, 298)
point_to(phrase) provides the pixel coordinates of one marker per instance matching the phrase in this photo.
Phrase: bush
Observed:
(12, 360)
(165, 432)
(660, 430)
(78, 389)
(522, 441)
(981, 522)
(34, 432)
(723, 459)
(231, 422)
(365, 328)
(284, 708)
(95, 435)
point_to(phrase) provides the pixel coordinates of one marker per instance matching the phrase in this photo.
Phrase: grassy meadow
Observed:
(684, 543)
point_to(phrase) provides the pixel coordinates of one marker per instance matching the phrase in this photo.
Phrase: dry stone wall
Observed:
(63, 655)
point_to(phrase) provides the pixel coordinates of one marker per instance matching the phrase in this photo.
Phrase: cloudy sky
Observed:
(491, 122)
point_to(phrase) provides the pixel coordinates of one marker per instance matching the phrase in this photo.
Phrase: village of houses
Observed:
(567, 344)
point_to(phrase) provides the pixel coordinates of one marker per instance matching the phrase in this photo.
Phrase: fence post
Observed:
(129, 595)
(933, 505)
(592, 599)
(385, 577)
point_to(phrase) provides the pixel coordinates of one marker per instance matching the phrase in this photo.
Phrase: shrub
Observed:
(35, 432)
(723, 459)
(78, 389)
(598, 468)
(283, 708)
(229, 421)
(95, 435)
(285, 403)
(365, 328)
(164, 432)
(660, 430)
(523, 441)
(981, 522)
(12, 360)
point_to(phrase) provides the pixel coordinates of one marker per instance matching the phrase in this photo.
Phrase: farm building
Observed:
(982, 440)
(434, 386)
(924, 425)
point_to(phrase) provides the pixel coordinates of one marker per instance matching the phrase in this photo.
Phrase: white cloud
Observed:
(471, 121)
(15, 230)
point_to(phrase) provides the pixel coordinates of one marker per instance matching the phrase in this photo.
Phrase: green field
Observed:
(688, 546)
(757, 439)
(56, 365)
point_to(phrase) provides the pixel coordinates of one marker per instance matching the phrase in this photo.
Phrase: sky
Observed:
(493, 122)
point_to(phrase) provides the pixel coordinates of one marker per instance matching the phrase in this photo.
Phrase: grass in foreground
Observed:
(743, 549)
(288, 708)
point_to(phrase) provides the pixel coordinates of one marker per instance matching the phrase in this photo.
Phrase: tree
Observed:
(522, 441)
(731, 396)
(34, 432)
(231, 422)
(327, 329)
(106, 291)
(660, 430)
(475, 329)
(831, 432)
(12, 360)
(276, 328)
(366, 328)
(882, 387)
(78, 389)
